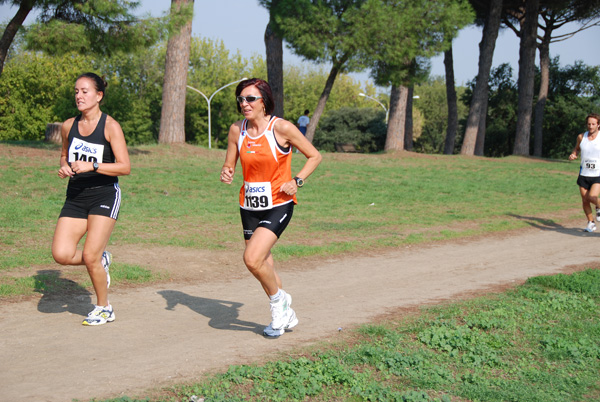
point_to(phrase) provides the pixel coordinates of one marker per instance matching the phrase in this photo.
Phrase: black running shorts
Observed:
(275, 219)
(586, 181)
(102, 200)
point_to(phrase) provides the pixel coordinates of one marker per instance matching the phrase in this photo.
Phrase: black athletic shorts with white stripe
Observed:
(275, 219)
(101, 200)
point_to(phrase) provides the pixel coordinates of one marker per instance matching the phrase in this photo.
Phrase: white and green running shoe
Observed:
(279, 309)
(282, 315)
(100, 315)
(292, 321)
(591, 227)
(106, 261)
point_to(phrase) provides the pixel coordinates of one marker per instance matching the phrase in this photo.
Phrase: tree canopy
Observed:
(398, 36)
(76, 26)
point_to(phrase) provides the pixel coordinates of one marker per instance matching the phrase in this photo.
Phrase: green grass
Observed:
(352, 203)
(537, 342)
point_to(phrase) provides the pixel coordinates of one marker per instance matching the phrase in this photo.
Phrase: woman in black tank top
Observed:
(94, 154)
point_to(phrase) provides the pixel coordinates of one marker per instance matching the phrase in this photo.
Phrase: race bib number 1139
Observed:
(258, 196)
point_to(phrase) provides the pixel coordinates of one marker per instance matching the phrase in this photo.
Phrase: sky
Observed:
(240, 24)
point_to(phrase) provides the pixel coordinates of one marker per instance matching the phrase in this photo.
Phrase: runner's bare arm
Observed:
(576, 149)
(122, 165)
(65, 170)
(231, 157)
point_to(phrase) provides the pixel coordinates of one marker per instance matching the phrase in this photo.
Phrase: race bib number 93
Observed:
(590, 164)
(258, 196)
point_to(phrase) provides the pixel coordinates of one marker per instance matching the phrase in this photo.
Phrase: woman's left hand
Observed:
(290, 187)
(81, 167)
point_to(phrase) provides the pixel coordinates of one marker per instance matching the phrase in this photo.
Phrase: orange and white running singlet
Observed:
(265, 166)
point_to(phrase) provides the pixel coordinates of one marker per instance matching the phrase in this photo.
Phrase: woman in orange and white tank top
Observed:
(264, 143)
(266, 167)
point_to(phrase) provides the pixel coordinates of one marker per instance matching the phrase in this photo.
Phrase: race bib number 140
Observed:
(81, 150)
(258, 196)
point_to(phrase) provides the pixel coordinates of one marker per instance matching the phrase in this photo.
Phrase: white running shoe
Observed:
(100, 315)
(283, 316)
(279, 310)
(591, 227)
(292, 321)
(106, 261)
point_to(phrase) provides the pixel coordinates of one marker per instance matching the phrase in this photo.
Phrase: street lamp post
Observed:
(384, 108)
(210, 99)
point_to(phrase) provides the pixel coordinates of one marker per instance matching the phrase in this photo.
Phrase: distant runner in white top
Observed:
(588, 145)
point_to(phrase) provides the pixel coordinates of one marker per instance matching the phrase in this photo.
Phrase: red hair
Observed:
(265, 91)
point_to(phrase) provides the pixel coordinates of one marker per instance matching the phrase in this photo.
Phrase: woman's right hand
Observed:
(227, 175)
(65, 171)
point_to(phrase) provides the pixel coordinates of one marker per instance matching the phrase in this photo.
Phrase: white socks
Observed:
(276, 296)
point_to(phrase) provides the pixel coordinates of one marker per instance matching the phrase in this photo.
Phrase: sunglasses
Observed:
(248, 99)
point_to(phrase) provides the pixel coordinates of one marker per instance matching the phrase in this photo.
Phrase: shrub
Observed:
(362, 127)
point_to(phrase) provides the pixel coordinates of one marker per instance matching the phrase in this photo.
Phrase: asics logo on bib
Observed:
(260, 189)
(84, 148)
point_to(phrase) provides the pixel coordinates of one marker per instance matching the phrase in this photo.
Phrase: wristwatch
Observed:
(96, 166)
(299, 181)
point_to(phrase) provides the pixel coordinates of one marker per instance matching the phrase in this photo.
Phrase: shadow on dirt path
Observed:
(60, 294)
(222, 314)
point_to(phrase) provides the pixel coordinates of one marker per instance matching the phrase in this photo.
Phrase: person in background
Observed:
(94, 154)
(303, 122)
(263, 143)
(588, 145)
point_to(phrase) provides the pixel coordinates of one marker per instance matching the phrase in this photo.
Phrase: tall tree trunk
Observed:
(451, 100)
(408, 126)
(480, 93)
(172, 118)
(527, 48)
(480, 142)
(394, 140)
(274, 49)
(11, 30)
(543, 93)
(314, 121)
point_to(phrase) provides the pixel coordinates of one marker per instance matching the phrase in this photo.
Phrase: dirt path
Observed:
(174, 332)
